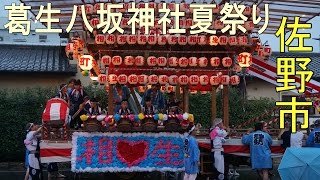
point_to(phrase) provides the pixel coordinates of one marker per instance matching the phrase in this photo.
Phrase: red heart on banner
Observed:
(132, 153)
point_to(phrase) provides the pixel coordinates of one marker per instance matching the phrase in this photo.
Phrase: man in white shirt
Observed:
(297, 138)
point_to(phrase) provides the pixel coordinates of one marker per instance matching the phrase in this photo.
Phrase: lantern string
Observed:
(169, 69)
(169, 51)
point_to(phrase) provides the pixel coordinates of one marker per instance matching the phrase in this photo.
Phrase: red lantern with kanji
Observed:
(213, 40)
(170, 89)
(122, 39)
(173, 61)
(227, 62)
(156, 23)
(183, 62)
(242, 40)
(232, 40)
(172, 39)
(189, 22)
(216, 10)
(162, 40)
(85, 62)
(153, 79)
(106, 60)
(117, 60)
(132, 79)
(129, 60)
(215, 80)
(203, 62)
(267, 51)
(215, 61)
(247, 11)
(184, 7)
(182, 23)
(225, 79)
(152, 39)
(139, 60)
(182, 40)
(192, 39)
(163, 79)
(122, 79)
(249, 25)
(204, 80)
(162, 61)
(69, 49)
(202, 40)
(142, 39)
(193, 61)
(96, 7)
(152, 61)
(112, 79)
(171, 6)
(110, 39)
(234, 80)
(173, 80)
(160, 4)
(142, 79)
(102, 78)
(194, 80)
(132, 39)
(223, 40)
(258, 46)
(100, 39)
(217, 24)
(94, 22)
(89, 9)
(244, 59)
(183, 80)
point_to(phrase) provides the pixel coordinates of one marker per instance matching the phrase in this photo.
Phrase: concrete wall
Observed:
(257, 88)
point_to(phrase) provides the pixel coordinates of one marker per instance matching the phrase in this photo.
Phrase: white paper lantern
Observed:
(204, 80)
(143, 79)
(244, 59)
(100, 39)
(183, 62)
(234, 80)
(202, 40)
(184, 7)
(194, 80)
(163, 79)
(171, 6)
(160, 4)
(213, 40)
(169, 89)
(132, 79)
(110, 39)
(189, 22)
(85, 62)
(172, 39)
(156, 23)
(152, 61)
(173, 61)
(242, 40)
(247, 11)
(162, 40)
(225, 79)
(203, 62)
(102, 78)
(116, 60)
(217, 24)
(89, 9)
(94, 22)
(192, 39)
(141, 5)
(129, 60)
(193, 61)
(173, 80)
(152, 39)
(215, 61)
(112, 79)
(139, 60)
(182, 23)
(142, 39)
(122, 39)
(249, 25)
(227, 62)
(183, 80)
(215, 80)
(122, 79)
(182, 40)
(223, 40)
(162, 61)
(233, 40)
(153, 79)
(96, 7)
(132, 39)
(106, 60)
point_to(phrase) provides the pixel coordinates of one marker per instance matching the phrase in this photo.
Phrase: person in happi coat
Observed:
(71, 86)
(63, 93)
(124, 110)
(156, 96)
(191, 155)
(314, 137)
(260, 152)
(76, 99)
(94, 109)
(148, 108)
(217, 136)
(120, 92)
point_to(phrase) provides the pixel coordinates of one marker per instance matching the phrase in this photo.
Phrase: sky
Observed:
(273, 41)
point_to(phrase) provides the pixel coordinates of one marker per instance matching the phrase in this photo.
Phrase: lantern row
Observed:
(192, 80)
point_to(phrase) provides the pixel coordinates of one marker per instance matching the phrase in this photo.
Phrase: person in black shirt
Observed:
(285, 135)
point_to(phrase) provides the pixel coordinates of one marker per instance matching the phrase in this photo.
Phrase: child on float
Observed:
(124, 110)
(94, 109)
(148, 108)
(191, 155)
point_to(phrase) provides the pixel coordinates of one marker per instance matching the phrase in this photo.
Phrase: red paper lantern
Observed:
(94, 22)
(204, 80)
(183, 80)
(143, 79)
(129, 60)
(244, 59)
(183, 62)
(267, 51)
(173, 61)
(225, 79)
(202, 40)
(232, 40)
(139, 60)
(192, 40)
(172, 39)
(227, 62)
(152, 39)
(242, 40)
(194, 80)
(112, 79)
(121, 39)
(217, 24)
(173, 79)
(170, 89)
(96, 7)
(234, 80)
(223, 40)
(182, 40)
(122, 79)
(184, 7)
(163, 89)
(117, 60)
(162, 61)
(172, 6)
(215, 61)
(110, 39)
(132, 39)
(213, 40)
(142, 39)
(153, 79)
(141, 4)
(106, 60)
(203, 62)
(193, 61)
(156, 23)
(152, 5)
(182, 23)
(152, 61)
(216, 10)
(122, 10)
(106, 6)
(89, 9)
(100, 39)
(215, 80)
(249, 25)
(189, 22)
(160, 4)
(162, 40)
(69, 49)
(247, 11)
(132, 79)
(163, 79)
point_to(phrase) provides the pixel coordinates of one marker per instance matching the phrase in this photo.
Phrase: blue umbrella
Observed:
(300, 163)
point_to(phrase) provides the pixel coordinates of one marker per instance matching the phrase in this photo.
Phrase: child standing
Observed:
(191, 155)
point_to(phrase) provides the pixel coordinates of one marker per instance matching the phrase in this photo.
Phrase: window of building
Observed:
(1, 38)
(42, 38)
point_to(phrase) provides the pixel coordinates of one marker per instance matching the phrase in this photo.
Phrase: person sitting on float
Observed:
(94, 109)
(176, 108)
(148, 108)
(157, 98)
(124, 110)
(120, 92)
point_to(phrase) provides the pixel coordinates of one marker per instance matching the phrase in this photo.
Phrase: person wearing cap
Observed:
(314, 137)
(157, 98)
(191, 155)
(120, 92)
(297, 137)
(63, 93)
(217, 137)
(260, 152)
(76, 98)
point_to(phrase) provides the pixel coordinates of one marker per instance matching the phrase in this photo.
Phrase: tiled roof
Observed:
(40, 59)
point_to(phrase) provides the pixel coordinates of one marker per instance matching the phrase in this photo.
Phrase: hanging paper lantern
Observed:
(112, 79)
(216, 10)
(69, 49)
(156, 23)
(141, 4)
(223, 40)
(170, 89)
(194, 80)
(183, 62)
(152, 61)
(184, 7)
(132, 39)
(129, 60)
(100, 39)
(152, 39)
(247, 11)
(139, 60)
(234, 80)
(142, 39)
(182, 23)
(242, 40)
(249, 25)
(163, 79)
(215, 61)
(162, 88)
(160, 4)
(162, 40)
(173, 79)
(203, 62)
(102, 79)
(192, 39)
(225, 79)
(85, 62)
(227, 62)
(142, 79)
(122, 79)
(185, 116)
(110, 39)
(213, 40)
(162, 61)
(96, 7)
(121, 39)
(183, 80)
(217, 24)
(106, 6)
(215, 80)
(267, 51)
(94, 22)
(153, 79)
(204, 80)
(202, 40)
(89, 9)
(117, 60)
(171, 6)
(182, 40)
(173, 61)
(232, 40)
(132, 79)
(189, 22)
(193, 61)
(244, 59)
(106, 60)
(172, 39)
